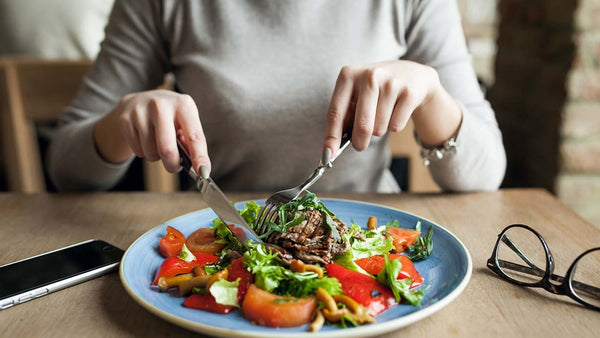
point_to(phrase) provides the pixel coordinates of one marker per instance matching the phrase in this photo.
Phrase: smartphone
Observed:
(40, 275)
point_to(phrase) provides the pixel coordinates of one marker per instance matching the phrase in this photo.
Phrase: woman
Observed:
(264, 87)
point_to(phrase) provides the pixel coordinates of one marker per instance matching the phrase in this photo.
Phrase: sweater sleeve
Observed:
(132, 58)
(435, 37)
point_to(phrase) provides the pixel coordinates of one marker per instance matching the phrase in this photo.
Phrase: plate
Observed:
(446, 272)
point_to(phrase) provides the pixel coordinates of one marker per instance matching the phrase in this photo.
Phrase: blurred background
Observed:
(538, 62)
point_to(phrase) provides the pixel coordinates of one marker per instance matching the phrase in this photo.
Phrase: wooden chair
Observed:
(36, 91)
(403, 145)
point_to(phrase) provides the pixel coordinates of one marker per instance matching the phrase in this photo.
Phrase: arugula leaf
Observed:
(307, 202)
(400, 287)
(422, 248)
(225, 292)
(226, 237)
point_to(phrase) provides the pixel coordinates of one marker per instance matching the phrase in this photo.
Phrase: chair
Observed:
(404, 146)
(36, 91)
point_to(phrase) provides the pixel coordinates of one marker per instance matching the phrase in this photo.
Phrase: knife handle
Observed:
(185, 161)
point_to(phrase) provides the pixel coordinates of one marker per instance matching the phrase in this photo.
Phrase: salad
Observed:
(312, 268)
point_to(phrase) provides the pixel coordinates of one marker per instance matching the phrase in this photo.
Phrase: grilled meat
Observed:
(312, 241)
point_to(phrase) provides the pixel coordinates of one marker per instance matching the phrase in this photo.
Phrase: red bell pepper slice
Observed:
(363, 289)
(238, 270)
(374, 264)
(173, 266)
(206, 302)
(171, 244)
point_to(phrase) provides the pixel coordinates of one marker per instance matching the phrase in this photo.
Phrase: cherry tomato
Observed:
(403, 238)
(266, 309)
(171, 244)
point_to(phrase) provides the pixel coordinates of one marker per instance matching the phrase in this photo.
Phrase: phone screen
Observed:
(49, 268)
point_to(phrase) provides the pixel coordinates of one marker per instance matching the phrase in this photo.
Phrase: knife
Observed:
(213, 196)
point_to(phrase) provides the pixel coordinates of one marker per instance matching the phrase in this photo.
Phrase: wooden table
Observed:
(489, 306)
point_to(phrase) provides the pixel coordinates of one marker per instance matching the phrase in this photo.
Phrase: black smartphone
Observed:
(40, 275)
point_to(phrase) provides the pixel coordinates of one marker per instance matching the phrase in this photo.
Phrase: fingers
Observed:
(339, 107)
(188, 120)
(150, 122)
(366, 105)
(386, 95)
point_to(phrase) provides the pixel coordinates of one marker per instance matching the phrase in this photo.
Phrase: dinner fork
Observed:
(268, 212)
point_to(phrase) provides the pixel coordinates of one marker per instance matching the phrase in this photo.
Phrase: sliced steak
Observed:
(312, 241)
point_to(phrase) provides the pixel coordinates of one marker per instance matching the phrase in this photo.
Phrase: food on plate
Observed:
(312, 269)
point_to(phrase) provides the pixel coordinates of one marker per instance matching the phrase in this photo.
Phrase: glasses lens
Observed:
(521, 255)
(585, 278)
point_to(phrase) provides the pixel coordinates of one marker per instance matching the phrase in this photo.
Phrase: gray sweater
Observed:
(262, 74)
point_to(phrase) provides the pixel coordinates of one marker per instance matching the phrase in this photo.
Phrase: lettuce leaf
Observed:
(225, 292)
(375, 243)
(400, 287)
(271, 276)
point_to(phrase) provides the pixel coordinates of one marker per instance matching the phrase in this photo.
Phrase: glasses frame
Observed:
(565, 284)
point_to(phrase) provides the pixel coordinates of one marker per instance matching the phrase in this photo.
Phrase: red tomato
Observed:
(363, 289)
(173, 266)
(266, 309)
(171, 244)
(204, 240)
(374, 264)
(207, 303)
(238, 270)
(403, 238)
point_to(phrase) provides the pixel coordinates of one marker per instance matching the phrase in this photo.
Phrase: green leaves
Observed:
(422, 248)
(400, 287)
(271, 276)
(308, 202)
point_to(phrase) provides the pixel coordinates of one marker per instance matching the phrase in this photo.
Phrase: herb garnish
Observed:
(308, 202)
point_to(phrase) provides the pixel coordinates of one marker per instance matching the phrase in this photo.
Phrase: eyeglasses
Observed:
(519, 253)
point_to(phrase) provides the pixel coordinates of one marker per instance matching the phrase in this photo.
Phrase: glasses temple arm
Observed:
(536, 272)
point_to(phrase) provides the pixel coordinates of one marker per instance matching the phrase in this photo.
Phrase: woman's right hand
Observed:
(148, 124)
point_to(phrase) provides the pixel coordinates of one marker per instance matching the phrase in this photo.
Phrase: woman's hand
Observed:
(381, 97)
(148, 124)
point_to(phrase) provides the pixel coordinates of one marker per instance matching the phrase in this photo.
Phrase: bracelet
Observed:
(437, 153)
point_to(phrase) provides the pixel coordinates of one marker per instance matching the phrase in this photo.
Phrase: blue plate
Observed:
(446, 272)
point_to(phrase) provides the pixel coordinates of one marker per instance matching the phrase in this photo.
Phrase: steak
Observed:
(312, 241)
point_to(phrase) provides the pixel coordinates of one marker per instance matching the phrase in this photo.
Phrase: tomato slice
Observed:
(403, 238)
(206, 302)
(204, 240)
(374, 264)
(266, 309)
(171, 244)
(363, 289)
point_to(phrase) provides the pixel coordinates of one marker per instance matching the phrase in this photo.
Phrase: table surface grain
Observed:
(489, 306)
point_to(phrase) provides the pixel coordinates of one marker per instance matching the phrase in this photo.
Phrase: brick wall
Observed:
(578, 183)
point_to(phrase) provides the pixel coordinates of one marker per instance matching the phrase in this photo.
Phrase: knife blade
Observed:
(213, 196)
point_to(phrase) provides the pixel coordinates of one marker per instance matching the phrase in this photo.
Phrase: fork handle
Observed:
(346, 140)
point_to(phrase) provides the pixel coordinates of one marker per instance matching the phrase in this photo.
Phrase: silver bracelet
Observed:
(437, 153)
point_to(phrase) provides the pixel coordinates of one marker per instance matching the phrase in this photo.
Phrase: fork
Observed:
(268, 212)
